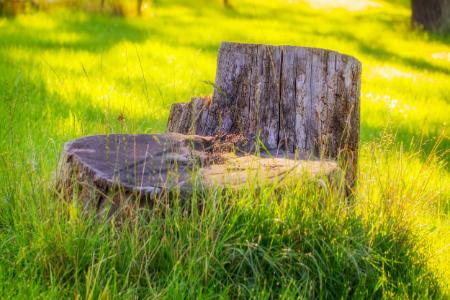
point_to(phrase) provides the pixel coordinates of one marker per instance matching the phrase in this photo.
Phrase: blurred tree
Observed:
(113, 7)
(139, 7)
(12, 7)
(35, 4)
(431, 14)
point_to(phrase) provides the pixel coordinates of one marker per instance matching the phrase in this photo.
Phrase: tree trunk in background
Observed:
(102, 4)
(139, 7)
(300, 100)
(431, 14)
(36, 4)
(12, 7)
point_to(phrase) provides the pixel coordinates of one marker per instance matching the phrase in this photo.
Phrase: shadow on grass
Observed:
(93, 33)
(303, 22)
(33, 117)
(412, 140)
(381, 54)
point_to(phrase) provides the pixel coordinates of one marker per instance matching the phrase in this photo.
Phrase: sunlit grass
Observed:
(343, 4)
(67, 74)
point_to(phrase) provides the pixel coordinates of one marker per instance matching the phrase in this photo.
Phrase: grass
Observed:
(67, 74)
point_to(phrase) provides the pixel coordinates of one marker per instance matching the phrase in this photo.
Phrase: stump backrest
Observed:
(296, 99)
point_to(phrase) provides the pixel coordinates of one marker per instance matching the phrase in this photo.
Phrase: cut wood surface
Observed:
(240, 171)
(105, 167)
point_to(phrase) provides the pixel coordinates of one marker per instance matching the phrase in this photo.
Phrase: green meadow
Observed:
(65, 74)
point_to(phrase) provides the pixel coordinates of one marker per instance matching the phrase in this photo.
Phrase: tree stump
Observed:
(108, 170)
(278, 114)
(299, 100)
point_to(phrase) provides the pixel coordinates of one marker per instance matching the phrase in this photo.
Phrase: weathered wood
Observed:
(239, 171)
(292, 99)
(108, 169)
(278, 115)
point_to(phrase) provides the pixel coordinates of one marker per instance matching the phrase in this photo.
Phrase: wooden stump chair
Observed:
(277, 113)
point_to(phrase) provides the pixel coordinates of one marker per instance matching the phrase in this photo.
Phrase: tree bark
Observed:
(294, 99)
(431, 14)
(139, 7)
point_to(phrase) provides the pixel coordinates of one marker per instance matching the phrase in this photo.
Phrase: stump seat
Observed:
(278, 114)
(150, 165)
